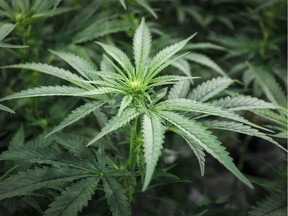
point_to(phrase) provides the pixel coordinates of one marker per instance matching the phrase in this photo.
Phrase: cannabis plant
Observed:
(276, 202)
(134, 94)
(5, 30)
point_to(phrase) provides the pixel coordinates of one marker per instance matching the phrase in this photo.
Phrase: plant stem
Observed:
(133, 139)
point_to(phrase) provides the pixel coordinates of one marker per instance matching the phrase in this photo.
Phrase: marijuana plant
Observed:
(5, 30)
(150, 111)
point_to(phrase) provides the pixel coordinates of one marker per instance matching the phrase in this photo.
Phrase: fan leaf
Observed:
(204, 60)
(239, 128)
(164, 55)
(73, 199)
(187, 105)
(209, 89)
(81, 65)
(242, 102)
(153, 132)
(31, 180)
(54, 71)
(45, 91)
(76, 115)
(5, 108)
(120, 57)
(115, 123)
(47, 156)
(206, 140)
(196, 148)
(115, 195)
(141, 47)
(126, 101)
(179, 90)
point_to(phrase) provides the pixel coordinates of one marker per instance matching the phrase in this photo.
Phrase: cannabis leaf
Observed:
(116, 197)
(74, 198)
(6, 29)
(77, 114)
(142, 93)
(34, 179)
(80, 171)
(153, 132)
(195, 131)
(5, 108)
(209, 89)
(115, 123)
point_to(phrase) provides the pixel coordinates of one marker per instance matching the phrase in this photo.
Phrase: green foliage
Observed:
(276, 202)
(74, 198)
(131, 110)
(269, 85)
(209, 89)
(153, 132)
(5, 29)
(206, 140)
(77, 114)
(5, 108)
(31, 180)
(65, 168)
(116, 197)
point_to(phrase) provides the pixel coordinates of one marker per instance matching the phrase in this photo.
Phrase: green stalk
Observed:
(128, 183)
(130, 164)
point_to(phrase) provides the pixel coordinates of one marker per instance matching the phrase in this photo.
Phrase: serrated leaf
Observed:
(115, 123)
(82, 17)
(109, 76)
(210, 88)
(153, 139)
(206, 140)
(80, 64)
(206, 61)
(74, 144)
(54, 71)
(168, 79)
(76, 115)
(270, 86)
(187, 105)
(47, 155)
(146, 5)
(104, 28)
(45, 91)
(18, 139)
(242, 102)
(5, 108)
(183, 66)
(120, 57)
(106, 66)
(274, 205)
(116, 197)
(196, 148)
(272, 116)
(126, 101)
(164, 55)
(141, 47)
(74, 198)
(179, 90)
(31, 180)
(239, 128)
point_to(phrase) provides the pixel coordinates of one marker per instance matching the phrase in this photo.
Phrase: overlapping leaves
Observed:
(141, 88)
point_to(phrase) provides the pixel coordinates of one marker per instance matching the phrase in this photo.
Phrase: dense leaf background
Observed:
(243, 40)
